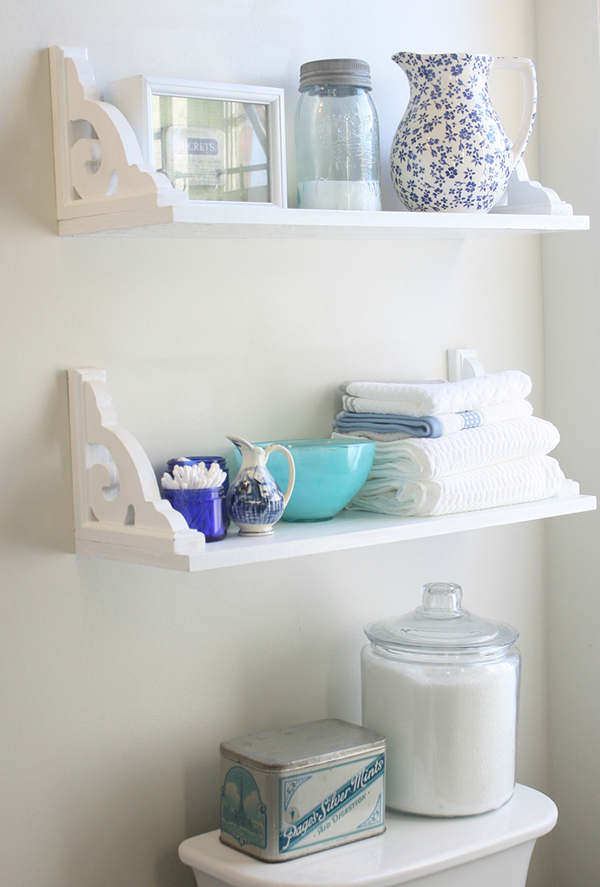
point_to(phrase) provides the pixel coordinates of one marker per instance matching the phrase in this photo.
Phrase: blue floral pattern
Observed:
(450, 152)
(254, 498)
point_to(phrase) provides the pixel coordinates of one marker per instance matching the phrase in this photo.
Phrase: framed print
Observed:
(217, 142)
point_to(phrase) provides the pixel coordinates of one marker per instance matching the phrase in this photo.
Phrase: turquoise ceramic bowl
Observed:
(329, 473)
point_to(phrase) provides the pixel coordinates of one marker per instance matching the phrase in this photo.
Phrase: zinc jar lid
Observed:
(335, 72)
(440, 625)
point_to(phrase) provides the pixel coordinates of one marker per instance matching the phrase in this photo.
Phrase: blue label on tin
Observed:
(344, 798)
(243, 814)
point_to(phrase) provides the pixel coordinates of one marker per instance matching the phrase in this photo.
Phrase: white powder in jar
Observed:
(450, 729)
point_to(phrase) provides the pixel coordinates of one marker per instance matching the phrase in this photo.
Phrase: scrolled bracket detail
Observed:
(101, 179)
(117, 502)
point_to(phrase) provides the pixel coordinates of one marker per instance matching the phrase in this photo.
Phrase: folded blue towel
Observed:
(422, 426)
(381, 425)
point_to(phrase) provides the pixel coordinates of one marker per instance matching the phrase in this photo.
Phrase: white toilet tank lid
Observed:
(411, 847)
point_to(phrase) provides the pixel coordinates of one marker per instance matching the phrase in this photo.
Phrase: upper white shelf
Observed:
(104, 187)
(193, 219)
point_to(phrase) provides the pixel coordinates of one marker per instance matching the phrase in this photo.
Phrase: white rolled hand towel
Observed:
(434, 398)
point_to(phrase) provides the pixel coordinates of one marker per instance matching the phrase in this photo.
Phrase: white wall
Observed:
(570, 135)
(119, 682)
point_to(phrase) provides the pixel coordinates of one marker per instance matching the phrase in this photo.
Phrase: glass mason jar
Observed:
(442, 686)
(337, 137)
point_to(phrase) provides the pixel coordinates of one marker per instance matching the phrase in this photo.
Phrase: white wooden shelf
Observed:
(194, 219)
(348, 530)
(119, 513)
(103, 186)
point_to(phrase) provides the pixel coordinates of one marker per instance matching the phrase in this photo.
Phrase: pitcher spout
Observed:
(404, 59)
(250, 453)
(415, 65)
(243, 445)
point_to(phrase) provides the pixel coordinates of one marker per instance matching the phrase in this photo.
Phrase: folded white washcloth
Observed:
(425, 458)
(434, 398)
(497, 412)
(509, 483)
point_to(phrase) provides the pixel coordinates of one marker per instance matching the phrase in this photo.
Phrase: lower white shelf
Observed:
(119, 513)
(350, 529)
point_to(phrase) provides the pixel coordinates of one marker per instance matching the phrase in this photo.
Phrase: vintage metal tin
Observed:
(290, 792)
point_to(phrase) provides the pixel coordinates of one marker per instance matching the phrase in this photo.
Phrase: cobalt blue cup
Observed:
(204, 510)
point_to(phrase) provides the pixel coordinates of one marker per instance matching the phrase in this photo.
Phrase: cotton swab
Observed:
(194, 477)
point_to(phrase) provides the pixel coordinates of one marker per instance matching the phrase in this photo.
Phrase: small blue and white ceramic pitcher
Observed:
(254, 501)
(450, 152)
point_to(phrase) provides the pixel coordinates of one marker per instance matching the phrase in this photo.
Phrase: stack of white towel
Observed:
(447, 447)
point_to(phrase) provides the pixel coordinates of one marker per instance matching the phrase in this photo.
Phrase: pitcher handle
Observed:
(271, 449)
(527, 70)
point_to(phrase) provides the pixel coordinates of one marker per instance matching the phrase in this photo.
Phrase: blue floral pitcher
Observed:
(450, 152)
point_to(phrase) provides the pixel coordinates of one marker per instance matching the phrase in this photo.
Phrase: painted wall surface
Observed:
(118, 682)
(570, 134)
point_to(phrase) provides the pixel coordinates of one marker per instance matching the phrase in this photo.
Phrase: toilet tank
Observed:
(491, 849)
(505, 869)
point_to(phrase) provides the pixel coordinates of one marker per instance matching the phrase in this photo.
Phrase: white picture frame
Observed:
(222, 143)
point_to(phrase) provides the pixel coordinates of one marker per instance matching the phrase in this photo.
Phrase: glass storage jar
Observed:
(442, 686)
(337, 137)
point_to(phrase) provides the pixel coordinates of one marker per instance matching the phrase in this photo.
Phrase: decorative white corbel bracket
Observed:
(524, 196)
(463, 364)
(119, 512)
(102, 181)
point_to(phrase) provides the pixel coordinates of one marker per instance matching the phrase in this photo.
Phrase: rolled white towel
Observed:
(425, 458)
(433, 398)
(529, 479)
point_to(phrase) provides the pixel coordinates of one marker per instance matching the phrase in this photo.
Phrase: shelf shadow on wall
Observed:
(41, 512)
(27, 151)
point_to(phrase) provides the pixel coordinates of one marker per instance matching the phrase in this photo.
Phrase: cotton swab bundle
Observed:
(194, 477)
